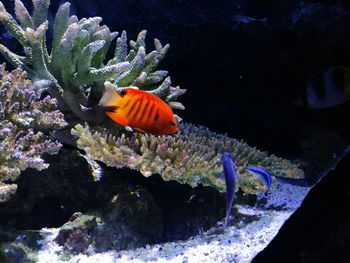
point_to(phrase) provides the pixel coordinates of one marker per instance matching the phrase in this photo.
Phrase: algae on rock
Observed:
(23, 119)
(190, 157)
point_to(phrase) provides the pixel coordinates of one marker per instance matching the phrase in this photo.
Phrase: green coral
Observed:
(76, 69)
(190, 157)
(22, 114)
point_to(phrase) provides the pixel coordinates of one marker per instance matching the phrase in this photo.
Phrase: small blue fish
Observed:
(263, 175)
(230, 180)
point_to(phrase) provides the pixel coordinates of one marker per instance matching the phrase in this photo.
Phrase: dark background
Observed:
(244, 64)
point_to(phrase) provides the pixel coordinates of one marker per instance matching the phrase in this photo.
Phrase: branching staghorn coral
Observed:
(191, 157)
(22, 114)
(76, 68)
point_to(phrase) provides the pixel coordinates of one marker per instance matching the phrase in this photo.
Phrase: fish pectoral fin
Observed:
(117, 117)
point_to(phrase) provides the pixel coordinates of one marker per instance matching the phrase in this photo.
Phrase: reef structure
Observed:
(74, 73)
(190, 157)
(25, 122)
(75, 70)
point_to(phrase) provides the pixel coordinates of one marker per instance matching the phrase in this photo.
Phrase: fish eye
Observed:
(172, 123)
(123, 92)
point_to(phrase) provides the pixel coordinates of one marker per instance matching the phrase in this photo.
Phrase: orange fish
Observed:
(139, 110)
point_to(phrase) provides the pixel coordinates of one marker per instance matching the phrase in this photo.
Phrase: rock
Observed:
(131, 219)
(48, 198)
(121, 225)
(122, 201)
(76, 236)
(18, 246)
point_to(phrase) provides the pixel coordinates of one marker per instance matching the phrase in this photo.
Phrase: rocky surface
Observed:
(250, 230)
(123, 210)
(131, 224)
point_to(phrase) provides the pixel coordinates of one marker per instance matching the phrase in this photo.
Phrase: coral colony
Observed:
(71, 78)
(24, 120)
(191, 157)
(74, 71)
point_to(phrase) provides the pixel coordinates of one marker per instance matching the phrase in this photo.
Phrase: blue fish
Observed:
(263, 175)
(230, 180)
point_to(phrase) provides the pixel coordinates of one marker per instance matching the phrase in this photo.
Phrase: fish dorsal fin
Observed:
(110, 96)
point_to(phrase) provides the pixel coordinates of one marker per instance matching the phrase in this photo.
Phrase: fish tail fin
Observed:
(110, 96)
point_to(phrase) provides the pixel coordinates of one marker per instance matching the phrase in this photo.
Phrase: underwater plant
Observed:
(190, 157)
(24, 120)
(75, 70)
